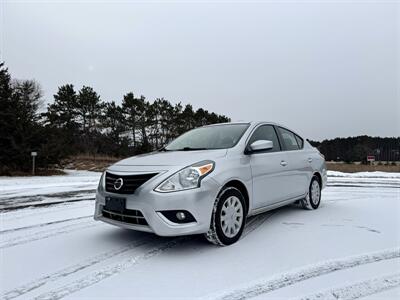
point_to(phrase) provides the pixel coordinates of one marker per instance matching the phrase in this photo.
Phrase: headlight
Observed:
(187, 178)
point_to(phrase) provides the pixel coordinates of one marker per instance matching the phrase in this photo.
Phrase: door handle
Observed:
(283, 163)
(310, 160)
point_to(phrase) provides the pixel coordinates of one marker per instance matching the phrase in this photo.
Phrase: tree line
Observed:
(357, 148)
(79, 121)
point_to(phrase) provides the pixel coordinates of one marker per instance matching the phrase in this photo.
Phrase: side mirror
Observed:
(261, 145)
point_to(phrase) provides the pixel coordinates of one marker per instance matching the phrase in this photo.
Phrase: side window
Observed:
(266, 132)
(300, 141)
(289, 139)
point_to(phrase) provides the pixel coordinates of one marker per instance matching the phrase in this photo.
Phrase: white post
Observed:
(33, 154)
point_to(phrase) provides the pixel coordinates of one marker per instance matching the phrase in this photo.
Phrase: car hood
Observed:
(170, 158)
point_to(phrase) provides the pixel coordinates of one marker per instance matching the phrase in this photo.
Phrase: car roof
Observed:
(244, 122)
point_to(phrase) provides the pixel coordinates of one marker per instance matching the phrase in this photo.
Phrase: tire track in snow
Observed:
(31, 211)
(256, 221)
(358, 289)
(44, 204)
(63, 273)
(5, 198)
(108, 271)
(23, 239)
(43, 224)
(48, 199)
(285, 279)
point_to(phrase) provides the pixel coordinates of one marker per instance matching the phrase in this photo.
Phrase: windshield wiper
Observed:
(190, 149)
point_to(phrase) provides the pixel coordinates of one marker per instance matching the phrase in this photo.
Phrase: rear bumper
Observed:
(199, 202)
(324, 176)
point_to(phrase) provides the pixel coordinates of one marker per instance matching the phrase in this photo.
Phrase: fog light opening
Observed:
(180, 216)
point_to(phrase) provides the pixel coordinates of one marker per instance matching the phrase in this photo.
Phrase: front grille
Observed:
(130, 216)
(129, 182)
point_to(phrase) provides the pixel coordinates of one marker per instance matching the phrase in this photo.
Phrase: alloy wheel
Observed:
(315, 192)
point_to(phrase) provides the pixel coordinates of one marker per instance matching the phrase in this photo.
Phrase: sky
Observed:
(323, 68)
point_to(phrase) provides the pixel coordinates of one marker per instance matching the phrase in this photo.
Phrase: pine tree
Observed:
(188, 119)
(27, 96)
(27, 99)
(113, 121)
(161, 115)
(135, 110)
(88, 109)
(88, 114)
(7, 119)
(61, 123)
(62, 113)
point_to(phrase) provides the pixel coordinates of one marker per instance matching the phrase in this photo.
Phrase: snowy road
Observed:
(349, 248)
(21, 192)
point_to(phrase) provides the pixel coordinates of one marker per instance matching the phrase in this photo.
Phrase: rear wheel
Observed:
(228, 217)
(313, 198)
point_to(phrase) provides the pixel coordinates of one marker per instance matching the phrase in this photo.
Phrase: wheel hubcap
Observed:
(315, 192)
(231, 216)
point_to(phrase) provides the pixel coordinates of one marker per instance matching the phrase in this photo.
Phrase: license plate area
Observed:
(115, 204)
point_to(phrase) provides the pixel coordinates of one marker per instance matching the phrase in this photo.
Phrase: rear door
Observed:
(298, 166)
(268, 169)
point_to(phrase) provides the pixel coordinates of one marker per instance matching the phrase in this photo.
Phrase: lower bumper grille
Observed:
(130, 216)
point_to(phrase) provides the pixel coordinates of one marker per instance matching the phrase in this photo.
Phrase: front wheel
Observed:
(228, 217)
(313, 198)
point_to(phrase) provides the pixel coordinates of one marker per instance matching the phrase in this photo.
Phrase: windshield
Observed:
(209, 137)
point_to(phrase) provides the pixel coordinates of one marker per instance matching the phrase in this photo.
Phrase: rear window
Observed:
(289, 139)
(300, 141)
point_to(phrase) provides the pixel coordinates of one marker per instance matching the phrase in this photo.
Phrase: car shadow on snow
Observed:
(196, 242)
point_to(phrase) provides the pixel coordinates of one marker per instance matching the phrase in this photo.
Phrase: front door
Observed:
(269, 169)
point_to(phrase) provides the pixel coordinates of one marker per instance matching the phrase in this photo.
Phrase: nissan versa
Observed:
(210, 179)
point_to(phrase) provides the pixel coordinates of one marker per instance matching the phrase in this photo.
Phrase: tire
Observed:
(313, 198)
(228, 217)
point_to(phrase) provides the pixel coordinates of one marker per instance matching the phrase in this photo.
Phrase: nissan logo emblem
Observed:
(118, 184)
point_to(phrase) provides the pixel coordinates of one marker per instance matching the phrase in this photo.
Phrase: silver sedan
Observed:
(210, 179)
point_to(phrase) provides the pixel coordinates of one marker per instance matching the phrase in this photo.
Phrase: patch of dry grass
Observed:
(352, 168)
(91, 157)
(89, 162)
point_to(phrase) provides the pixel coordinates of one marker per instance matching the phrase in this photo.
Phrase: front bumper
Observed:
(199, 202)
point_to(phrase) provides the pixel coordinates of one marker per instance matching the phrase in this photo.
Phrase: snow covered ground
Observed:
(51, 248)
(18, 192)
